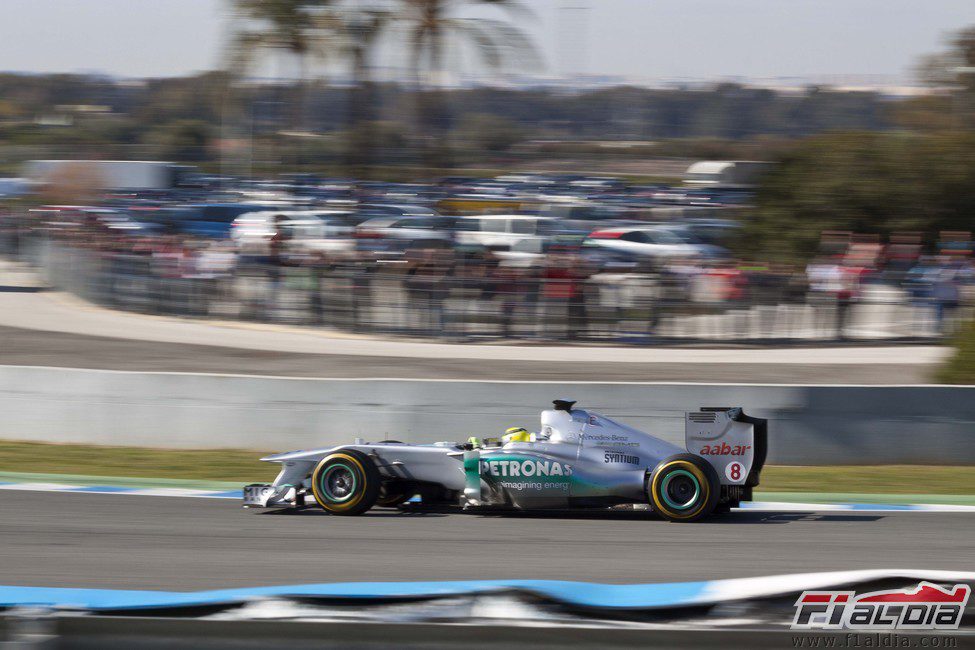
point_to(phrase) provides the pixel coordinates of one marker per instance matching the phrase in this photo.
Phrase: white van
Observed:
(503, 231)
(308, 230)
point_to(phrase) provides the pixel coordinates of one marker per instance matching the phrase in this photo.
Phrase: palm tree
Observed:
(289, 27)
(361, 28)
(429, 24)
(318, 30)
(350, 31)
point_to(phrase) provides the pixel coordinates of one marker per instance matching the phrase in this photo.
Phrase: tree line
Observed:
(916, 177)
(135, 112)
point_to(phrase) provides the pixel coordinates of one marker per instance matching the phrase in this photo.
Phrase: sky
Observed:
(636, 39)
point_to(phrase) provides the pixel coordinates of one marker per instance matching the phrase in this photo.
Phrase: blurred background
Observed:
(234, 227)
(497, 170)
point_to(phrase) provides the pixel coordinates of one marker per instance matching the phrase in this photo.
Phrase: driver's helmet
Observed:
(516, 434)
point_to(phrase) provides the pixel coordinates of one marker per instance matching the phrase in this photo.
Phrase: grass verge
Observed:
(202, 465)
(870, 479)
(242, 466)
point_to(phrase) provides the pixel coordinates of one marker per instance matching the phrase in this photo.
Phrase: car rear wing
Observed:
(733, 443)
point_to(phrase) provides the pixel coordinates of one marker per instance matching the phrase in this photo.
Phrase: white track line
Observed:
(756, 506)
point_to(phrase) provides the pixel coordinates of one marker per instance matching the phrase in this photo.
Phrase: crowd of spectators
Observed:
(468, 291)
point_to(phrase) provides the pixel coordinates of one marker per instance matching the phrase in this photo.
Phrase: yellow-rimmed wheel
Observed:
(346, 482)
(683, 488)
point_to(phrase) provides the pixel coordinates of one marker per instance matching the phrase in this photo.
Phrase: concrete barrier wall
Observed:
(808, 424)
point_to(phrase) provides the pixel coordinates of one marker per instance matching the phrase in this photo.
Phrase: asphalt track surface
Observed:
(39, 348)
(121, 541)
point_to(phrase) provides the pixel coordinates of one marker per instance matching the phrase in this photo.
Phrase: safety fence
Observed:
(473, 302)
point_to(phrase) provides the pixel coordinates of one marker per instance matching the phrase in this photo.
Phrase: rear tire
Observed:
(346, 482)
(684, 488)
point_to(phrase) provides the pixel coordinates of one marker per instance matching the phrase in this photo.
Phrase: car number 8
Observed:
(734, 471)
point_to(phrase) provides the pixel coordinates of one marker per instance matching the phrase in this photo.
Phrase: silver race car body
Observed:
(578, 458)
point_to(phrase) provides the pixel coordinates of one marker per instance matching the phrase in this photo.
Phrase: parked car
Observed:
(305, 230)
(532, 252)
(653, 241)
(381, 232)
(504, 231)
(712, 231)
(367, 211)
(112, 220)
(215, 220)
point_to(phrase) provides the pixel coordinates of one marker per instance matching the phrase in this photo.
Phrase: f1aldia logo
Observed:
(926, 607)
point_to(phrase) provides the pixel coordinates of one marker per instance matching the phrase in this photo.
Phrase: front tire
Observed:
(684, 488)
(346, 482)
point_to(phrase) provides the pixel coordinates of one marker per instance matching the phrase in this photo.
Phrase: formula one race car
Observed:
(578, 459)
